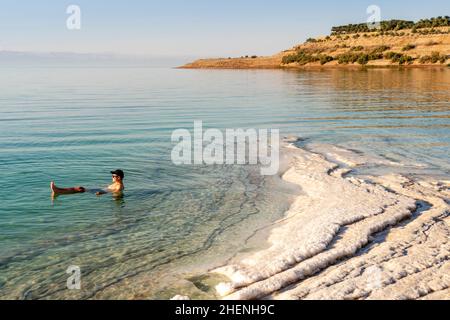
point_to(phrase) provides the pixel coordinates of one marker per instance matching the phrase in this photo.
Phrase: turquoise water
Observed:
(74, 125)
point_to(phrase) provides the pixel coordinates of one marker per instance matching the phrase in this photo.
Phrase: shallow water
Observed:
(73, 125)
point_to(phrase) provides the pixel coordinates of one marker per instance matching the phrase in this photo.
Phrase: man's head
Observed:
(117, 175)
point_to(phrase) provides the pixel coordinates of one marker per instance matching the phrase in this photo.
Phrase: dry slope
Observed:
(419, 45)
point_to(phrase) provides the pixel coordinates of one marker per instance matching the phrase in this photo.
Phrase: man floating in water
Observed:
(116, 187)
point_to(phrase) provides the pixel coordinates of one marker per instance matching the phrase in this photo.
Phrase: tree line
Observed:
(392, 25)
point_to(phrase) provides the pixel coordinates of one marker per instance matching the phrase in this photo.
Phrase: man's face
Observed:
(115, 178)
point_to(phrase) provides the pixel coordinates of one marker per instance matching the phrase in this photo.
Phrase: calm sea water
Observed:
(74, 125)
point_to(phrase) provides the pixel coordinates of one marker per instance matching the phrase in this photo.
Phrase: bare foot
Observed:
(53, 187)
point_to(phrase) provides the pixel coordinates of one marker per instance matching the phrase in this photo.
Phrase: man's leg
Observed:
(57, 190)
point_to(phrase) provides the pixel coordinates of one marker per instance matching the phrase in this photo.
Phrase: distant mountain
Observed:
(86, 59)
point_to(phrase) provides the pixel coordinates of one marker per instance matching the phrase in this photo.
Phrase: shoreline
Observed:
(377, 237)
(320, 67)
(275, 63)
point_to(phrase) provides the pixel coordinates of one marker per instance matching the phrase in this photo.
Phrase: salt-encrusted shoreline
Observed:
(346, 237)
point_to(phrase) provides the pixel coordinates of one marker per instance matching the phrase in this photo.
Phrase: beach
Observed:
(348, 237)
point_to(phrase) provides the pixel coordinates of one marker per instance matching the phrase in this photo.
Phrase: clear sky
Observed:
(188, 27)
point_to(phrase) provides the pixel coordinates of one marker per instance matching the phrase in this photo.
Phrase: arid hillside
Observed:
(407, 47)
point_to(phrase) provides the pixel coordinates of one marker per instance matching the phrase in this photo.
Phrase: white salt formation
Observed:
(336, 241)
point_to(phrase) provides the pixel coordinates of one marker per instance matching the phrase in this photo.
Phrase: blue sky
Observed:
(189, 27)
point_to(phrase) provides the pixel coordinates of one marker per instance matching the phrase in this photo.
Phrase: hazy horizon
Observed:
(175, 29)
(22, 58)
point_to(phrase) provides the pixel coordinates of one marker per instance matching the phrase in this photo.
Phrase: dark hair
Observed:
(119, 173)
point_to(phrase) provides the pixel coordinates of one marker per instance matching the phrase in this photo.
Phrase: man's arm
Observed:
(111, 189)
